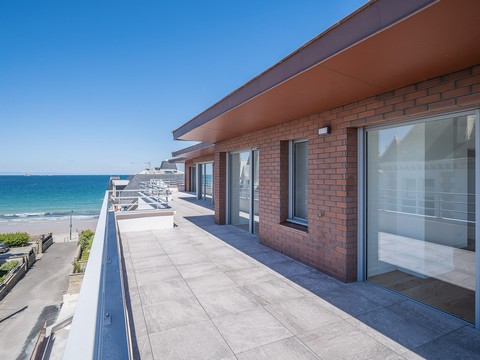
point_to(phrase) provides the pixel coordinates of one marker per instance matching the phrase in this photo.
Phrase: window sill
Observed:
(292, 225)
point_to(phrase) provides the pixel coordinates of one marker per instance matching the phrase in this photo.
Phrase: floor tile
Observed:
(199, 269)
(173, 313)
(190, 257)
(288, 349)
(208, 283)
(315, 282)
(358, 298)
(250, 275)
(153, 276)
(141, 348)
(250, 329)
(302, 314)
(409, 323)
(463, 343)
(164, 290)
(271, 291)
(226, 302)
(237, 262)
(289, 267)
(137, 255)
(343, 341)
(198, 341)
(152, 263)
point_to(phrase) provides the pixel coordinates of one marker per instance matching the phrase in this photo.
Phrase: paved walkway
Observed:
(36, 298)
(203, 291)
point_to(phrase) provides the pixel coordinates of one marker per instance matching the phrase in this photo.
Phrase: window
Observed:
(205, 181)
(421, 211)
(298, 182)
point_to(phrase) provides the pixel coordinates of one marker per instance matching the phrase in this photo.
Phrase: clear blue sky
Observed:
(96, 87)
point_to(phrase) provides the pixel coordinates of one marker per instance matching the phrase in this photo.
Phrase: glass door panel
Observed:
(239, 198)
(205, 181)
(421, 212)
(256, 192)
(208, 181)
(193, 179)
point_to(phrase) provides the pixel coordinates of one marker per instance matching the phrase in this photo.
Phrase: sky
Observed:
(97, 87)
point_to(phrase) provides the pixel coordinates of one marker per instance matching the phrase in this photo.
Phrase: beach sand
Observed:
(60, 227)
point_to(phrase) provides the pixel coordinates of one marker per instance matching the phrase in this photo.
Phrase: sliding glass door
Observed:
(421, 217)
(243, 200)
(205, 181)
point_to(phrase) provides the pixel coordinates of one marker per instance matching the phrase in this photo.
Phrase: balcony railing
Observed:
(100, 326)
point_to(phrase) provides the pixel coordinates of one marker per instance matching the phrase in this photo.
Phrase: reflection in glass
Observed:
(205, 173)
(421, 212)
(300, 180)
(239, 199)
(256, 192)
(208, 180)
(193, 179)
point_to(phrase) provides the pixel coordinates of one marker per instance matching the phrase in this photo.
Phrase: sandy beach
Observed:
(59, 226)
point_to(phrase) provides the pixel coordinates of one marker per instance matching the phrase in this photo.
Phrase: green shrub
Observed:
(15, 239)
(76, 267)
(9, 265)
(6, 267)
(86, 239)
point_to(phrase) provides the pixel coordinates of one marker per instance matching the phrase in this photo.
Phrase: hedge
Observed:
(86, 238)
(6, 267)
(15, 239)
(86, 241)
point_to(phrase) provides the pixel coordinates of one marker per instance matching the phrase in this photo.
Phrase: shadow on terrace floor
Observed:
(205, 203)
(427, 332)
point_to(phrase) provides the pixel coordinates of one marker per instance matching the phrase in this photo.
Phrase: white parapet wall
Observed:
(145, 220)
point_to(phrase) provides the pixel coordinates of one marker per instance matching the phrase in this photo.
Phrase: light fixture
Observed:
(324, 130)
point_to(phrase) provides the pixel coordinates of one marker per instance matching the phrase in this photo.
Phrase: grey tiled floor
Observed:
(202, 291)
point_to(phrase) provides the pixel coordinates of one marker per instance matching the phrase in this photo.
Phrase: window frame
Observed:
(291, 183)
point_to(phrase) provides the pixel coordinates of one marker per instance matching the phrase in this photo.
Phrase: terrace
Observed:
(204, 291)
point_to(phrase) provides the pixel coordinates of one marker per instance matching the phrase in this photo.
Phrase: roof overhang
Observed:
(192, 152)
(384, 45)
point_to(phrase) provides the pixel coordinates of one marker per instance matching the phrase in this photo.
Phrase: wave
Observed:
(48, 215)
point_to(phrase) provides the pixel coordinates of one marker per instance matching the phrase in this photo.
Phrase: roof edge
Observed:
(371, 18)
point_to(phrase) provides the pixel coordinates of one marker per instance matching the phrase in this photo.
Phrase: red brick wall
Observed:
(220, 186)
(330, 244)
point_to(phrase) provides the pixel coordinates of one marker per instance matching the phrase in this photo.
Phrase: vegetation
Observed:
(6, 267)
(85, 242)
(86, 239)
(15, 239)
(77, 268)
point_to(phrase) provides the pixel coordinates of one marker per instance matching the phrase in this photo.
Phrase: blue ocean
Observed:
(51, 196)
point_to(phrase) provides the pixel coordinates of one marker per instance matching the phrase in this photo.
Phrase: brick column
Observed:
(220, 185)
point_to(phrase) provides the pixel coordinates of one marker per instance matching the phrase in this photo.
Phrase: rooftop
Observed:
(207, 291)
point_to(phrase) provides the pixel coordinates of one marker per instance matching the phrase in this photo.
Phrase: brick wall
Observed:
(330, 243)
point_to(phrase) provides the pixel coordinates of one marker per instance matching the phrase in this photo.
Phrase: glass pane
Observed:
(300, 180)
(193, 179)
(421, 212)
(208, 175)
(240, 190)
(256, 192)
(201, 182)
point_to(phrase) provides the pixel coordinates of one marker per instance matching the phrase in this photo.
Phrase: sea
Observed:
(51, 196)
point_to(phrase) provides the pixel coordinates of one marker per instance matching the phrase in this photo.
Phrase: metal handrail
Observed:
(82, 337)
(98, 311)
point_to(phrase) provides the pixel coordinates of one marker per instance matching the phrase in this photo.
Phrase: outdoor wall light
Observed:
(324, 130)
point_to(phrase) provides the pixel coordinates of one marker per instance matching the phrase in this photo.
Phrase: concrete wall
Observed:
(28, 260)
(138, 221)
(330, 241)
